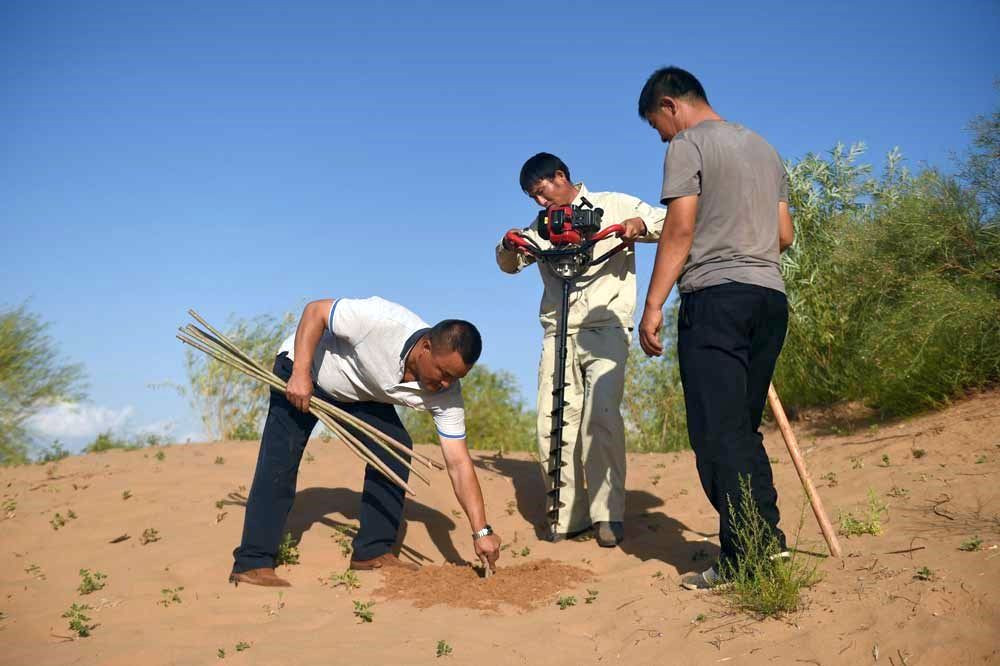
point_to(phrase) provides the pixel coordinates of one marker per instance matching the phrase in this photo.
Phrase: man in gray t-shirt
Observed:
(727, 222)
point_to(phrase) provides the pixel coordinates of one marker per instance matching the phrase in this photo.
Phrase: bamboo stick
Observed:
(205, 343)
(333, 409)
(800, 466)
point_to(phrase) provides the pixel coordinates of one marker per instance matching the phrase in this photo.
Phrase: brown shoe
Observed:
(264, 576)
(381, 562)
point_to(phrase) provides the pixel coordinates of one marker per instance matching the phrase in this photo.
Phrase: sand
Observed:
(868, 602)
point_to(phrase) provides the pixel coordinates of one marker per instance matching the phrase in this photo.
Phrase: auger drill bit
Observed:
(556, 443)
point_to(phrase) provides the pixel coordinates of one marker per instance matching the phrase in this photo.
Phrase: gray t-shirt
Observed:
(740, 179)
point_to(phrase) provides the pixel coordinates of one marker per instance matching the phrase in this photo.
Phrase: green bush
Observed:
(893, 285)
(495, 416)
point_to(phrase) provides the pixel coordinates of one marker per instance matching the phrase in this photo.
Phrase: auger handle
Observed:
(604, 233)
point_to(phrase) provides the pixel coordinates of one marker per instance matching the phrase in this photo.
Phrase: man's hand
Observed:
(488, 550)
(634, 227)
(513, 248)
(649, 332)
(299, 390)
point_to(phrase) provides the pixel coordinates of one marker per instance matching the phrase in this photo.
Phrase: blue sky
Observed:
(245, 157)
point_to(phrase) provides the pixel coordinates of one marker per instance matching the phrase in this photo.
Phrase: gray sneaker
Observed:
(609, 534)
(705, 580)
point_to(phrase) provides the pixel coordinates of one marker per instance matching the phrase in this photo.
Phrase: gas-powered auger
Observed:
(573, 232)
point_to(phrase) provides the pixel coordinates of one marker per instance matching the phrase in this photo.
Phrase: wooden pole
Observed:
(800, 467)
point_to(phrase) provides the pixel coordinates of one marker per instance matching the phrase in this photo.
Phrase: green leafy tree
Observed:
(230, 404)
(32, 377)
(495, 416)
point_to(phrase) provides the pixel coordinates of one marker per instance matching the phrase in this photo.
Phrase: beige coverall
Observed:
(601, 309)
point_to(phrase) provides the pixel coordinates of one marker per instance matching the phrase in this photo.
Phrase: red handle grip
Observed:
(517, 240)
(604, 233)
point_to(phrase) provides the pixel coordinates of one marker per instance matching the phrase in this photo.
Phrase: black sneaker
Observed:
(556, 537)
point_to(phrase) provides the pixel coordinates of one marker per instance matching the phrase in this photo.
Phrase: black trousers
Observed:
(286, 432)
(729, 338)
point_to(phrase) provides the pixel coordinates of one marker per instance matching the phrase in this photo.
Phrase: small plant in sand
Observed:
(655, 479)
(309, 457)
(896, 491)
(58, 520)
(981, 459)
(170, 595)
(348, 579)
(565, 602)
(9, 508)
(700, 554)
(343, 540)
(658, 574)
(160, 455)
(126, 494)
(220, 653)
(923, 573)
(219, 460)
(870, 522)
(443, 649)
(149, 535)
(35, 571)
(591, 596)
(511, 507)
(760, 581)
(288, 551)
(971, 545)
(885, 460)
(91, 581)
(700, 617)
(918, 453)
(242, 645)
(830, 478)
(78, 620)
(363, 610)
(220, 503)
(857, 463)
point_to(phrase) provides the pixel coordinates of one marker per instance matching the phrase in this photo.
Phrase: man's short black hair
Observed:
(457, 335)
(539, 167)
(669, 82)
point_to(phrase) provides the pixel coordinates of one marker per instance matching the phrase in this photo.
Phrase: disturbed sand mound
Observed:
(524, 586)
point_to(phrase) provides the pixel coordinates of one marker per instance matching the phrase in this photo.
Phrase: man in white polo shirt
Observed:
(365, 356)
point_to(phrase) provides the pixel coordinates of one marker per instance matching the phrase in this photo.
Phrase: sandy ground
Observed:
(868, 609)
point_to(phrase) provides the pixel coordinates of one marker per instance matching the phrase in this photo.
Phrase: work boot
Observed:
(385, 560)
(264, 576)
(609, 533)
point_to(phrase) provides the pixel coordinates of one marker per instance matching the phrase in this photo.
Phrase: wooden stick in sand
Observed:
(800, 466)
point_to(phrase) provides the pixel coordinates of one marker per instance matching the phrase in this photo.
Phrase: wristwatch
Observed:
(486, 531)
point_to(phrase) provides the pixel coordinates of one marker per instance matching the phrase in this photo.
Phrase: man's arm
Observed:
(671, 253)
(644, 223)
(786, 230)
(307, 336)
(470, 496)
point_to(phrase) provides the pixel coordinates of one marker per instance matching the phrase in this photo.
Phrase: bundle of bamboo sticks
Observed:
(337, 421)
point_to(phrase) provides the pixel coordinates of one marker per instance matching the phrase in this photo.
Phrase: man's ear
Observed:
(669, 105)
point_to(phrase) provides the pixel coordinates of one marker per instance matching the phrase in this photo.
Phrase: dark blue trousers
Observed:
(729, 338)
(286, 432)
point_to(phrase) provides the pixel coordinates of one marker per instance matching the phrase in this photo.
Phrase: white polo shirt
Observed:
(361, 356)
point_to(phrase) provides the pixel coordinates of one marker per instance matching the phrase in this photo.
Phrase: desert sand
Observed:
(869, 608)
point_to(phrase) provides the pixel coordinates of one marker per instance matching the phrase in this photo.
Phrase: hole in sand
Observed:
(524, 586)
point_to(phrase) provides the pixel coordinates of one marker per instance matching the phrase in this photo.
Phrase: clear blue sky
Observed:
(244, 157)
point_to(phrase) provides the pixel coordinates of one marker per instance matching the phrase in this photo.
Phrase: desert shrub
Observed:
(893, 285)
(653, 406)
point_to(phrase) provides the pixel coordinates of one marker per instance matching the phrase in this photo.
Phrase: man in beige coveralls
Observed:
(601, 307)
